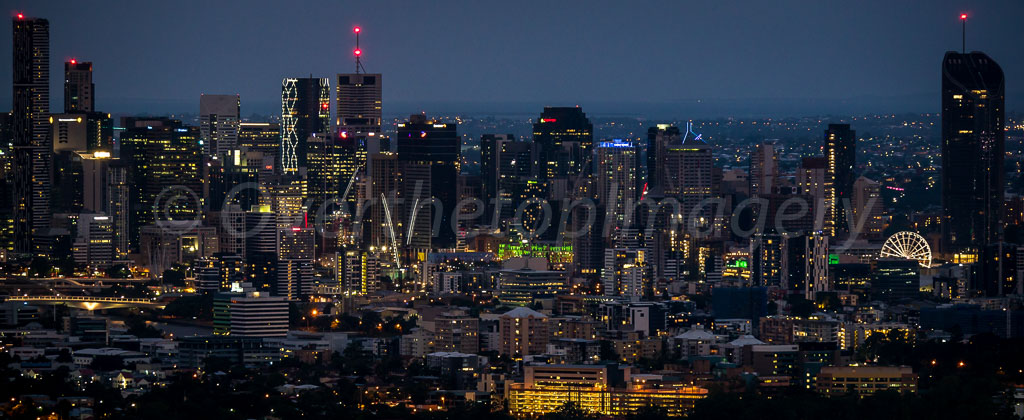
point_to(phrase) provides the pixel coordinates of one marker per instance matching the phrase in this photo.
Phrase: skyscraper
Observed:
(294, 262)
(617, 165)
(659, 138)
(505, 167)
(305, 111)
(688, 169)
(384, 225)
(78, 87)
(31, 130)
(164, 158)
(430, 154)
(218, 123)
(764, 169)
(868, 209)
(973, 106)
(81, 132)
(564, 137)
(359, 104)
(840, 160)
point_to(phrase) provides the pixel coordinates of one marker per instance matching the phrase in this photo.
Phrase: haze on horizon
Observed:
(648, 58)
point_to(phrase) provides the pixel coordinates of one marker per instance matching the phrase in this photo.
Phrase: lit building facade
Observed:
(607, 390)
(305, 111)
(865, 380)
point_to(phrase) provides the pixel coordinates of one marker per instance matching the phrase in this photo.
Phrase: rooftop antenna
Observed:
(963, 33)
(358, 52)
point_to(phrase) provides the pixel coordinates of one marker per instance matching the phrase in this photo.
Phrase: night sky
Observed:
(671, 58)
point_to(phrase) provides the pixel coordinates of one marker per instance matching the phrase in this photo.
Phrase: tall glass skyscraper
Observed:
(305, 111)
(564, 138)
(30, 127)
(972, 151)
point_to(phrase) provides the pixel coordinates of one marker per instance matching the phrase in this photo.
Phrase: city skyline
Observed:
(686, 61)
(334, 258)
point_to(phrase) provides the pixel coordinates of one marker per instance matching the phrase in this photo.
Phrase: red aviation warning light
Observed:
(963, 33)
(73, 61)
(358, 52)
(21, 15)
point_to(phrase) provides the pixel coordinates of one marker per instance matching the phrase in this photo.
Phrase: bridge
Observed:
(85, 282)
(89, 302)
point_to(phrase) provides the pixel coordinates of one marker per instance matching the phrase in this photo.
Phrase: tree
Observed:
(174, 276)
(649, 412)
(568, 411)
(118, 271)
(107, 363)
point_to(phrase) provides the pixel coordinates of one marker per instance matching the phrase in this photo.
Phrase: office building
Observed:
(522, 285)
(305, 111)
(564, 138)
(430, 153)
(94, 241)
(506, 165)
(78, 87)
(359, 104)
(246, 312)
(973, 137)
(895, 279)
(219, 116)
(82, 132)
(840, 381)
(263, 137)
(164, 160)
(607, 390)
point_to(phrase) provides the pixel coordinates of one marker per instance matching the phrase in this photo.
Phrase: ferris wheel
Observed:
(907, 245)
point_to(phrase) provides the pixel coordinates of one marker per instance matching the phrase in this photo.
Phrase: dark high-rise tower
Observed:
(305, 111)
(429, 153)
(840, 159)
(659, 138)
(564, 138)
(31, 130)
(972, 151)
(506, 165)
(78, 87)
